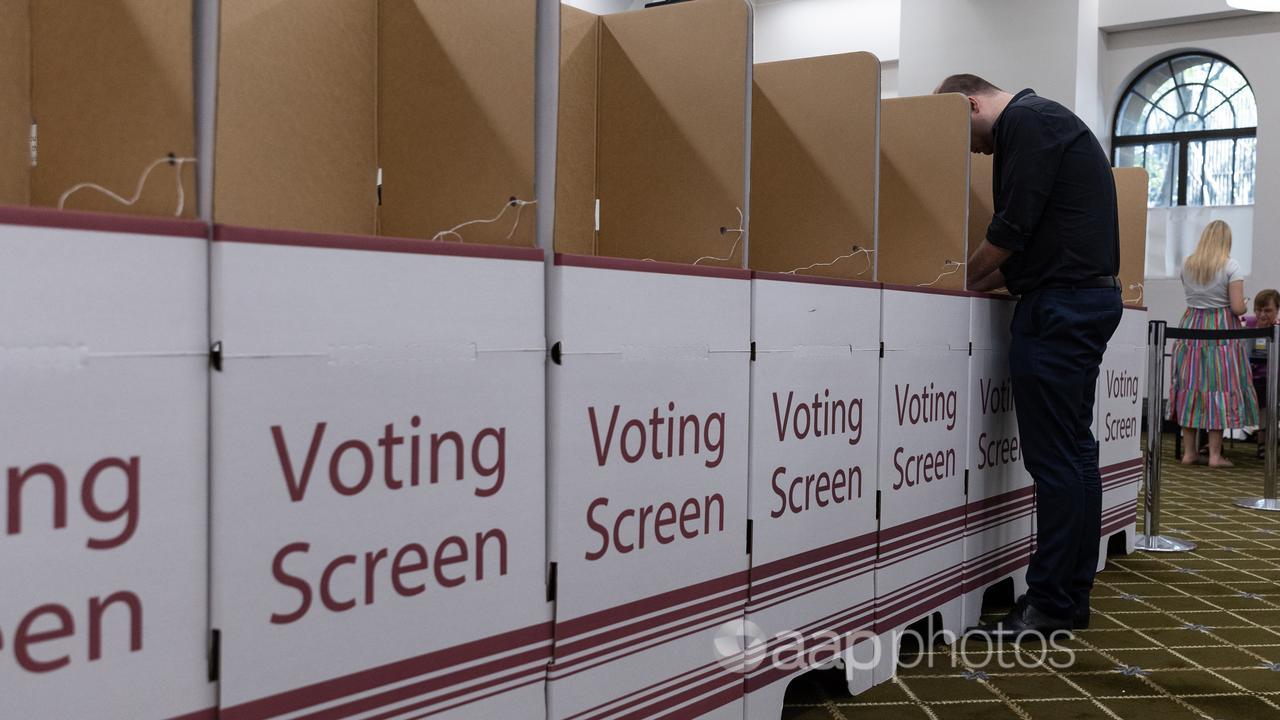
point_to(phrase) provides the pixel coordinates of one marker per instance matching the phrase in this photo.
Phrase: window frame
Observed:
(1182, 140)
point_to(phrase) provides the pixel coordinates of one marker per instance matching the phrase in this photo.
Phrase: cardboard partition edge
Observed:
(369, 243)
(1142, 308)
(936, 290)
(102, 222)
(814, 279)
(650, 266)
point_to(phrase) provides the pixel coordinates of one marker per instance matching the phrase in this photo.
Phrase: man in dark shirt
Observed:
(1055, 242)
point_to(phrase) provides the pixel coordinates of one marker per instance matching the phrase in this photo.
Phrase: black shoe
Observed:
(1023, 620)
(1080, 619)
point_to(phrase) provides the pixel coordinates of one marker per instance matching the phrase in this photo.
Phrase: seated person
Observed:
(1266, 305)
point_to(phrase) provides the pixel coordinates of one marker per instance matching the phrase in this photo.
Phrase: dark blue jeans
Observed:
(1058, 339)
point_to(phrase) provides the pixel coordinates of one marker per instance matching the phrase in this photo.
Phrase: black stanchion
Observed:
(1268, 500)
(1152, 540)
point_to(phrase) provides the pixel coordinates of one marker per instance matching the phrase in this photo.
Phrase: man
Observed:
(1055, 242)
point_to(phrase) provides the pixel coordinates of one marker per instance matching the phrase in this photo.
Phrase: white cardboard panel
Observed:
(924, 320)
(813, 465)
(924, 398)
(348, 401)
(103, 363)
(648, 492)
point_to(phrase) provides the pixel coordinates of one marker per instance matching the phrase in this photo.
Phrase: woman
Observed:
(1210, 377)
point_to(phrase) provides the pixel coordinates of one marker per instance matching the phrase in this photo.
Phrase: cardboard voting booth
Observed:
(815, 378)
(924, 374)
(648, 392)
(103, 362)
(378, 435)
(77, 110)
(1000, 495)
(1122, 377)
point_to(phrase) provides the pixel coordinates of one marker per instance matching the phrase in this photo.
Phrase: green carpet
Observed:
(1186, 635)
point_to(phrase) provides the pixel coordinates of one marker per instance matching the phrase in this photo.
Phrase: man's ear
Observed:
(973, 105)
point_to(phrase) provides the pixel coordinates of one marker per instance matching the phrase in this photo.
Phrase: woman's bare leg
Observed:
(1189, 452)
(1215, 450)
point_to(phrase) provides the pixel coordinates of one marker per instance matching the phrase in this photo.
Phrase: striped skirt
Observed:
(1210, 384)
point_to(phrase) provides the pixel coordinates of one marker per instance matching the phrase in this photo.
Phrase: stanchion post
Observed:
(1268, 500)
(1152, 540)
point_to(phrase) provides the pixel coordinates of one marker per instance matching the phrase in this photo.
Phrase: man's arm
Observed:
(1030, 157)
(991, 283)
(985, 262)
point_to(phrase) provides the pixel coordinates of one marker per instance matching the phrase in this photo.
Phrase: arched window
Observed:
(1192, 122)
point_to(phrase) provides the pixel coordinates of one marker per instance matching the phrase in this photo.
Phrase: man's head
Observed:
(986, 102)
(1265, 307)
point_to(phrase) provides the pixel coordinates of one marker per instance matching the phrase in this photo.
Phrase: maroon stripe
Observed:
(570, 661)
(813, 628)
(554, 670)
(422, 687)
(991, 295)
(929, 290)
(920, 523)
(654, 266)
(1142, 308)
(769, 569)
(102, 222)
(364, 680)
(888, 548)
(918, 585)
(730, 689)
(811, 586)
(707, 704)
(370, 243)
(698, 673)
(1120, 479)
(1125, 509)
(653, 603)
(984, 516)
(813, 279)
(761, 588)
(207, 713)
(513, 688)
(567, 649)
(995, 556)
(1122, 482)
(985, 527)
(999, 573)
(540, 672)
(1022, 494)
(1136, 462)
(895, 615)
(934, 543)
(1119, 522)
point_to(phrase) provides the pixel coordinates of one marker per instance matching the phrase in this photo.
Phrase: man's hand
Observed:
(985, 261)
(991, 283)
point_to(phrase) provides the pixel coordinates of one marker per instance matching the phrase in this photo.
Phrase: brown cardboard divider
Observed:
(315, 97)
(814, 158)
(668, 163)
(924, 190)
(296, 127)
(15, 102)
(455, 118)
(110, 85)
(982, 205)
(1131, 208)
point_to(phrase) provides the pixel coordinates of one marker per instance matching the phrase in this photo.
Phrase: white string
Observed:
(856, 251)
(177, 163)
(954, 267)
(513, 202)
(1135, 301)
(724, 231)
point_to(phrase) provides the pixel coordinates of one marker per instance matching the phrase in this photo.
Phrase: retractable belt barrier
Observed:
(1158, 333)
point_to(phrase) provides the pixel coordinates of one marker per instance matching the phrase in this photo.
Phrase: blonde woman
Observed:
(1210, 388)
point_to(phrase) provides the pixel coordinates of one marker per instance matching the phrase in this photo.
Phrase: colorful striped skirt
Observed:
(1210, 383)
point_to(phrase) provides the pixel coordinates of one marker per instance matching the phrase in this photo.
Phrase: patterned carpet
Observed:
(1188, 635)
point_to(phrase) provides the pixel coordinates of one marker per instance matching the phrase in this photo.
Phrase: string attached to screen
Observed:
(856, 250)
(953, 266)
(1134, 301)
(725, 231)
(171, 159)
(512, 202)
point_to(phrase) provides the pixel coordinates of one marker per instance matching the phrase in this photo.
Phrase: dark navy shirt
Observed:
(1055, 197)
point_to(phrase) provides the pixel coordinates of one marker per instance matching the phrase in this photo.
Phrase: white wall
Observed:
(1251, 43)
(1013, 43)
(787, 29)
(1129, 14)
